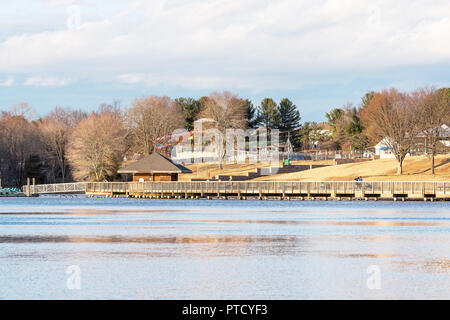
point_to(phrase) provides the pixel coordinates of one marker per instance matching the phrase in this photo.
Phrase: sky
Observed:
(320, 54)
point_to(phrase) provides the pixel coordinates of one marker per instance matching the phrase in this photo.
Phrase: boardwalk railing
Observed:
(77, 187)
(377, 189)
(333, 189)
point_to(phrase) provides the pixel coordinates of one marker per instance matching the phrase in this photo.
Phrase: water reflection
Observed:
(150, 239)
(234, 250)
(89, 212)
(440, 266)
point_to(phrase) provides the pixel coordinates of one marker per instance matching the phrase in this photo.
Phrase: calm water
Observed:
(198, 249)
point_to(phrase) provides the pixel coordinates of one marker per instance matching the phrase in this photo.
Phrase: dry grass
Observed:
(415, 169)
(206, 171)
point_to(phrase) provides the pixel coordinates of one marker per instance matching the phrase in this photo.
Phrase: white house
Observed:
(383, 150)
(445, 135)
(324, 131)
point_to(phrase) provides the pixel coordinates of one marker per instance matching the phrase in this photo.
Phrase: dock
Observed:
(263, 190)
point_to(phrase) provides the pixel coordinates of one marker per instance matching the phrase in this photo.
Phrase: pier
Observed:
(263, 190)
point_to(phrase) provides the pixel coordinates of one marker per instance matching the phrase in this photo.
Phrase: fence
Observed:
(76, 187)
(377, 189)
(327, 155)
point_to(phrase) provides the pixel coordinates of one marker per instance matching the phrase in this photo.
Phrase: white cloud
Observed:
(236, 44)
(46, 81)
(60, 2)
(8, 82)
(132, 78)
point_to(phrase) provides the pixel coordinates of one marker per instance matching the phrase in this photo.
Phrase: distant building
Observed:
(324, 131)
(445, 135)
(155, 167)
(383, 150)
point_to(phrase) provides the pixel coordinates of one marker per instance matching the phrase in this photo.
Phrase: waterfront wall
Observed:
(274, 189)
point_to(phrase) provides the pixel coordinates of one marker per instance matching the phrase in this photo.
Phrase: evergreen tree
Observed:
(289, 118)
(268, 114)
(251, 114)
(354, 131)
(365, 100)
(336, 121)
(308, 133)
(33, 168)
(353, 125)
(191, 109)
(335, 118)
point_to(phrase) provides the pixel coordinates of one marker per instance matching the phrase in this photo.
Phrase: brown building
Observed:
(155, 167)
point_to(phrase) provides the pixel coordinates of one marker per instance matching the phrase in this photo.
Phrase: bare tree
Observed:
(55, 131)
(394, 118)
(19, 140)
(228, 111)
(22, 109)
(68, 116)
(150, 118)
(97, 145)
(55, 136)
(435, 112)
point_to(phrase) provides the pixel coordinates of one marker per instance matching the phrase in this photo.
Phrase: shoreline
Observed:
(273, 198)
(264, 190)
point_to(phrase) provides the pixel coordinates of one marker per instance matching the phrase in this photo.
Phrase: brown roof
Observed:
(154, 163)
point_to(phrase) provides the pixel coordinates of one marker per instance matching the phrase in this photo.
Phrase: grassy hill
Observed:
(415, 169)
(206, 171)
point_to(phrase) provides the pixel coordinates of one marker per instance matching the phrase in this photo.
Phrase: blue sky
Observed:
(320, 54)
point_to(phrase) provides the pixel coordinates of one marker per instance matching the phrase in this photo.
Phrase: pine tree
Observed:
(33, 168)
(268, 114)
(354, 131)
(289, 117)
(336, 121)
(191, 109)
(251, 115)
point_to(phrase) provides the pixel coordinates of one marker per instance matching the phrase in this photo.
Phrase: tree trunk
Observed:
(432, 160)
(63, 171)
(221, 155)
(400, 167)
(222, 158)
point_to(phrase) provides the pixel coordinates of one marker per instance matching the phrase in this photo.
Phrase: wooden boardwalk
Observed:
(338, 190)
(58, 188)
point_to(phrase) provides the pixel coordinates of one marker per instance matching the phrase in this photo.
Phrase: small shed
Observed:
(155, 167)
(384, 150)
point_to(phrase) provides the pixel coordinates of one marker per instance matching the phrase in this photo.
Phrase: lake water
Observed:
(199, 249)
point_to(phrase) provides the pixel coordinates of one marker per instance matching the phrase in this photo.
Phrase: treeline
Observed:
(68, 144)
(402, 121)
